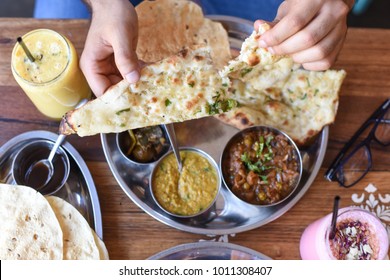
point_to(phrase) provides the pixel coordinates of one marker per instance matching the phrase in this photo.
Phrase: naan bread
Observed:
(28, 226)
(301, 106)
(273, 90)
(257, 66)
(182, 87)
(78, 239)
(167, 26)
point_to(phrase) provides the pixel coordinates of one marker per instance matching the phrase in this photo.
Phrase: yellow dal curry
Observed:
(187, 193)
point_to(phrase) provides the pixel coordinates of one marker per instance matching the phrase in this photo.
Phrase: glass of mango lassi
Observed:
(53, 81)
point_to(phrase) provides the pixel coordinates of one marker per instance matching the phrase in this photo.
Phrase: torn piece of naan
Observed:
(181, 87)
(272, 90)
(257, 66)
(301, 106)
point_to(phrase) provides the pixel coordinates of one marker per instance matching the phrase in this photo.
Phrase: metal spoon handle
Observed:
(58, 142)
(172, 138)
(61, 137)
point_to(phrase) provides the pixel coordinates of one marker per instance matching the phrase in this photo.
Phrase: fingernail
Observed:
(271, 50)
(262, 44)
(132, 77)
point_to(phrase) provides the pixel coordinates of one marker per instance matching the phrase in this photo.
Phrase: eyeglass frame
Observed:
(341, 157)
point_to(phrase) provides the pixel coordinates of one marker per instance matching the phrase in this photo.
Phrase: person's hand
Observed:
(312, 32)
(109, 52)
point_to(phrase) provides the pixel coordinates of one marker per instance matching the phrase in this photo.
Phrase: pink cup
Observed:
(359, 235)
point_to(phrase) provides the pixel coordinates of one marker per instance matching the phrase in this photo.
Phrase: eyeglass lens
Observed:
(357, 161)
(382, 133)
(355, 166)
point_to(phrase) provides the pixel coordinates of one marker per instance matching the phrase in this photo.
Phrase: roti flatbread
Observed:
(103, 252)
(182, 87)
(28, 226)
(167, 26)
(79, 242)
(214, 35)
(301, 106)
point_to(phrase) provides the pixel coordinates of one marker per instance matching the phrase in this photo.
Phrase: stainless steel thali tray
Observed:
(79, 190)
(229, 215)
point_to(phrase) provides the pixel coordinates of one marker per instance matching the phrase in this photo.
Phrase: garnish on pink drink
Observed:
(359, 235)
(354, 241)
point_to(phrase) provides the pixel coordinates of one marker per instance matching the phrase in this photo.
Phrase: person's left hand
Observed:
(312, 32)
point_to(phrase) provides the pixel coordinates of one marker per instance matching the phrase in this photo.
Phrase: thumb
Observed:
(127, 63)
(259, 22)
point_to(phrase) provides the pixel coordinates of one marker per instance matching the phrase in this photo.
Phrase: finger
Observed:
(126, 58)
(98, 82)
(309, 36)
(290, 24)
(115, 78)
(259, 22)
(325, 63)
(324, 47)
(127, 62)
(282, 11)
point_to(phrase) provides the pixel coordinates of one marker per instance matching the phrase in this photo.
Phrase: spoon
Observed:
(43, 169)
(172, 138)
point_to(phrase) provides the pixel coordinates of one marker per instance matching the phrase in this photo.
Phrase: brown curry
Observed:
(261, 167)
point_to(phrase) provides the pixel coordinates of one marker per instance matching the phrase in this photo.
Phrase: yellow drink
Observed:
(54, 81)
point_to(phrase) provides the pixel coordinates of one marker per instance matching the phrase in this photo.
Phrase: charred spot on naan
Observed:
(243, 119)
(195, 101)
(253, 60)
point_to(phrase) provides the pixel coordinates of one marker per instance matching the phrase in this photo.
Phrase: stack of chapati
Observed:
(34, 227)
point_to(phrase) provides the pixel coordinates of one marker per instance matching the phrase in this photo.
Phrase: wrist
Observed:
(349, 3)
(101, 5)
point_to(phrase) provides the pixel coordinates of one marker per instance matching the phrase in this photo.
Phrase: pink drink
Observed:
(359, 235)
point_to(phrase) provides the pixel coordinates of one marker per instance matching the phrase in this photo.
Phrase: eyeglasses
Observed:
(355, 159)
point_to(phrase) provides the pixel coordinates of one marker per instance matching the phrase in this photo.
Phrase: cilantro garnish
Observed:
(262, 155)
(121, 111)
(221, 105)
(245, 71)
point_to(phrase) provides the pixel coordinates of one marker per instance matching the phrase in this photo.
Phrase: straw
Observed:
(26, 50)
(332, 233)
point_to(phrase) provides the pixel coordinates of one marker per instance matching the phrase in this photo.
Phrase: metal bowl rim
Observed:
(205, 155)
(51, 145)
(277, 131)
(207, 245)
(137, 162)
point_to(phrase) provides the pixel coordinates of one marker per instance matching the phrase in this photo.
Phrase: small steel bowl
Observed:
(227, 177)
(34, 151)
(123, 142)
(205, 212)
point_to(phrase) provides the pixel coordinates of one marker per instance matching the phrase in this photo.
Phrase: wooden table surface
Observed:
(130, 233)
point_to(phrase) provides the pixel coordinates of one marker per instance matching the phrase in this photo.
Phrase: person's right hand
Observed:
(311, 32)
(109, 52)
